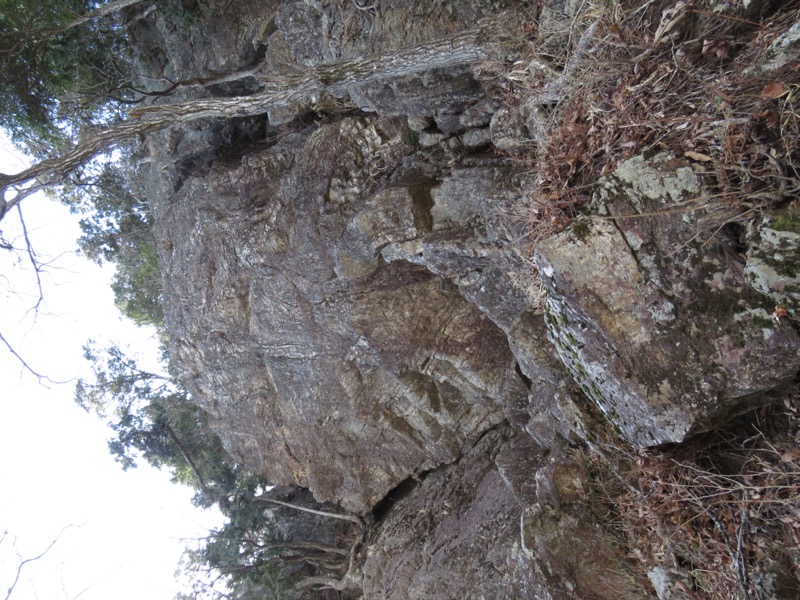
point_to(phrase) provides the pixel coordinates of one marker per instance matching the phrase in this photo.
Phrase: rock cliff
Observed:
(345, 295)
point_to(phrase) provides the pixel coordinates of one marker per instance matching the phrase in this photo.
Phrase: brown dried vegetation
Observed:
(627, 78)
(722, 508)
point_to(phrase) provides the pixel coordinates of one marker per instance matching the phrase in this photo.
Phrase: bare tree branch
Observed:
(322, 513)
(188, 458)
(25, 561)
(91, 585)
(34, 263)
(27, 367)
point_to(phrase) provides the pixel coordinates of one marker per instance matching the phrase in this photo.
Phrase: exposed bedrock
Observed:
(486, 527)
(316, 312)
(312, 272)
(343, 298)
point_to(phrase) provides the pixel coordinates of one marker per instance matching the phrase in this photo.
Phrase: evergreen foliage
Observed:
(117, 228)
(53, 81)
(154, 420)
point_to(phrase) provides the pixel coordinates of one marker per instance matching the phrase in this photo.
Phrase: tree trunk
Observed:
(321, 513)
(464, 49)
(200, 479)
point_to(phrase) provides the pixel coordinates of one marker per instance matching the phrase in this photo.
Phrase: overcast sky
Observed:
(55, 469)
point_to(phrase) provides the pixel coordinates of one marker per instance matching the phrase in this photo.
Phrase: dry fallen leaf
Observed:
(770, 118)
(779, 313)
(697, 156)
(791, 454)
(774, 90)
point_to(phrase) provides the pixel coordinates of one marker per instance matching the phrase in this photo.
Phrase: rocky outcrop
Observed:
(301, 341)
(314, 287)
(343, 299)
(649, 309)
(486, 527)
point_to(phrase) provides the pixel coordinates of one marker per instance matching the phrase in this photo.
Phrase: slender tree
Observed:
(301, 92)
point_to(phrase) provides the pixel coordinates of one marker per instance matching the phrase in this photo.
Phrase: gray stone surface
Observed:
(670, 583)
(505, 521)
(652, 318)
(783, 49)
(300, 342)
(327, 355)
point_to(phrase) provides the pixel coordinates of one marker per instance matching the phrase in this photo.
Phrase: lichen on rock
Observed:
(773, 260)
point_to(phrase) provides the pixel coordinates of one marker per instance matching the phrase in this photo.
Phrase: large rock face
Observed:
(308, 348)
(343, 300)
(312, 281)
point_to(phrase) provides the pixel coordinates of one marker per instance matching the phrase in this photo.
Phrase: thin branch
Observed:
(289, 545)
(91, 585)
(741, 560)
(34, 263)
(322, 513)
(27, 367)
(200, 479)
(26, 561)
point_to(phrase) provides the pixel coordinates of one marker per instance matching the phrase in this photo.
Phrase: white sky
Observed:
(55, 469)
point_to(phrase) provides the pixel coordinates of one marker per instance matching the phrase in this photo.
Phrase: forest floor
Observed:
(611, 82)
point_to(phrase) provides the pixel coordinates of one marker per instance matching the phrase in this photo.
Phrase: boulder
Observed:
(649, 310)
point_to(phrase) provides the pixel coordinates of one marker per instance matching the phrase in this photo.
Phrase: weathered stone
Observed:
(203, 45)
(418, 94)
(448, 123)
(478, 529)
(299, 354)
(458, 539)
(781, 52)
(297, 24)
(476, 138)
(430, 138)
(419, 123)
(670, 584)
(576, 557)
(509, 130)
(656, 325)
(479, 115)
